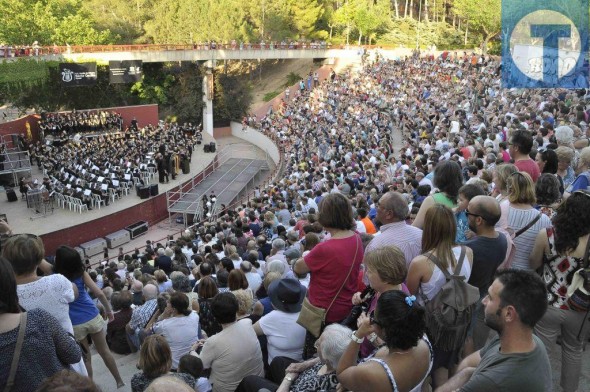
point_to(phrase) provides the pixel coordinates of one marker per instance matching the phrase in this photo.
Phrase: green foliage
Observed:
(292, 78)
(483, 16)
(270, 95)
(306, 14)
(24, 71)
(48, 22)
(232, 99)
(407, 32)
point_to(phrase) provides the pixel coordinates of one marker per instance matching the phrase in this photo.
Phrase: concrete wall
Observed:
(258, 139)
(157, 56)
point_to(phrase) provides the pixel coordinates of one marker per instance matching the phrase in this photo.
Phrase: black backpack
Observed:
(449, 312)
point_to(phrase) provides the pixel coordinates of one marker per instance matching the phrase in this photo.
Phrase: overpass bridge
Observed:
(174, 53)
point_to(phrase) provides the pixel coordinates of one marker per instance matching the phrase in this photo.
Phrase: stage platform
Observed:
(24, 220)
(227, 182)
(241, 165)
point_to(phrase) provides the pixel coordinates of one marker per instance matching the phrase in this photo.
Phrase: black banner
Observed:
(126, 71)
(77, 74)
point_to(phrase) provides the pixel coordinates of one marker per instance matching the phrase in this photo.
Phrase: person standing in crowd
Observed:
(425, 278)
(489, 249)
(45, 347)
(447, 179)
(83, 312)
(520, 146)
(582, 181)
(334, 264)
(25, 253)
(522, 218)
(566, 244)
(516, 360)
(392, 211)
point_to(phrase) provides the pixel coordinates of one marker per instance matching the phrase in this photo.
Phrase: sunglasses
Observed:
(472, 214)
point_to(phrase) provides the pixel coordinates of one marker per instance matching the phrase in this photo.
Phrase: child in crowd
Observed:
(192, 365)
(466, 193)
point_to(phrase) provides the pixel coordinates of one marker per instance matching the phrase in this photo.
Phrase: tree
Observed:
(232, 99)
(306, 14)
(48, 22)
(369, 16)
(483, 17)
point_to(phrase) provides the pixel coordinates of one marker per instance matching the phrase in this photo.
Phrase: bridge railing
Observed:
(24, 52)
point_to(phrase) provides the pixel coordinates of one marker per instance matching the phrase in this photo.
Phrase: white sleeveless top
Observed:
(437, 280)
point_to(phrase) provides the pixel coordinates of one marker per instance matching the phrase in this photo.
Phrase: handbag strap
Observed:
(347, 275)
(17, 350)
(530, 224)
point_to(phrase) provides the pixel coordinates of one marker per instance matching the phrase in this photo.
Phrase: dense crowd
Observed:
(489, 184)
(74, 122)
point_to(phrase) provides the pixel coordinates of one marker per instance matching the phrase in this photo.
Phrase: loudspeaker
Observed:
(11, 195)
(212, 147)
(143, 192)
(207, 148)
(154, 190)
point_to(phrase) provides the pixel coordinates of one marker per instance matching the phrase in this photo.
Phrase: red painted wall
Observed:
(145, 114)
(19, 126)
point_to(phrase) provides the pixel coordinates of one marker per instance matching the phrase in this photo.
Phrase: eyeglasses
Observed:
(372, 318)
(473, 214)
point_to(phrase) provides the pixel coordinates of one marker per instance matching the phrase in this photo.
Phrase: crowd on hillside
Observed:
(490, 184)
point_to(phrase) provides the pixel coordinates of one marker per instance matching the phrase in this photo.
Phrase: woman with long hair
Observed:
(46, 346)
(84, 313)
(405, 360)
(448, 179)
(560, 252)
(425, 277)
(207, 290)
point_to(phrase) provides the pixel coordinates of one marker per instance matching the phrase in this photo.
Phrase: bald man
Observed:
(489, 251)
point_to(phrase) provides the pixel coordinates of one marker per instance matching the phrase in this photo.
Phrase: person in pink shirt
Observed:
(520, 145)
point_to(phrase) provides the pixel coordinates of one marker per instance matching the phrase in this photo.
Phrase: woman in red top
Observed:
(334, 263)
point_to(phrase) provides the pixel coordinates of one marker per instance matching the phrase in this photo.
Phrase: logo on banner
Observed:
(544, 44)
(67, 75)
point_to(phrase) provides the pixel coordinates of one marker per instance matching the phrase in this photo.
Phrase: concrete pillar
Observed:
(208, 91)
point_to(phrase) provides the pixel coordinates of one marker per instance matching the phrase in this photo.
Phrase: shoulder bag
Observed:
(17, 350)
(312, 317)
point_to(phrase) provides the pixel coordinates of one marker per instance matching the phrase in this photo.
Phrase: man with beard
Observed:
(516, 360)
(392, 211)
(489, 251)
